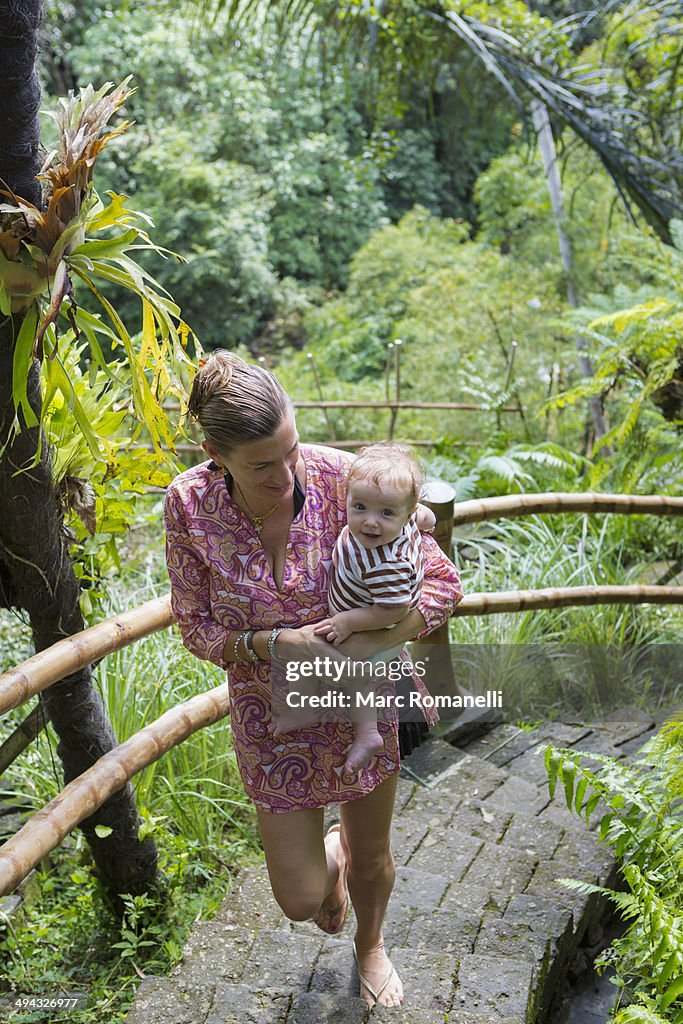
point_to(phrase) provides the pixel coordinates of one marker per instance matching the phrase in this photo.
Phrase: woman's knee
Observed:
(368, 863)
(298, 905)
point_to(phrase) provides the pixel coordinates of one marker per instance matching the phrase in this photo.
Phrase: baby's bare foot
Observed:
(366, 745)
(379, 980)
(285, 724)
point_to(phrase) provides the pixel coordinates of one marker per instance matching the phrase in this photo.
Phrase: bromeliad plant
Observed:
(86, 414)
(642, 820)
(79, 236)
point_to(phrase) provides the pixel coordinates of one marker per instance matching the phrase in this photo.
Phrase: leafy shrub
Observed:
(640, 808)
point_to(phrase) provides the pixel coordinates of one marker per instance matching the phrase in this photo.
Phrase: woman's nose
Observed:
(284, 475)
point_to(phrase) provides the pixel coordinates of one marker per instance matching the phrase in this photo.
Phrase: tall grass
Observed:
(582, 662)
(194, 789)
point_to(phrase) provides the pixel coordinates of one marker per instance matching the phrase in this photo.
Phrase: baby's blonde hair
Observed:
(388, 462)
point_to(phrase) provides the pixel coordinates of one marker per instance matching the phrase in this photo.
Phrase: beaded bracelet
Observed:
(272, 638)
(249, 645)
(238, 641)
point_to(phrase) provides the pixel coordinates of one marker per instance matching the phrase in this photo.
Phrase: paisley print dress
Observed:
(221, 581)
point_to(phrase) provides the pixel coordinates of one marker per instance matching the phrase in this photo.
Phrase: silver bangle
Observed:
(249, 645)
(272, 640)
(238, 641)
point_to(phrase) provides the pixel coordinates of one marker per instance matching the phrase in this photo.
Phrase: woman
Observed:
(250, 536)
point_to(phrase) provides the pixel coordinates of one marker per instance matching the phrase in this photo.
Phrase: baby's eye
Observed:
(358, 507)
(388, 512)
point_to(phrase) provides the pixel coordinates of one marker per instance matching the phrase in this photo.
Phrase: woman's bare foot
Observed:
(366, 744)
(333, 910)
(379, 980)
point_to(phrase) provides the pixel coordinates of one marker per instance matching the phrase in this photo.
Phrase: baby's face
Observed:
(376, 516)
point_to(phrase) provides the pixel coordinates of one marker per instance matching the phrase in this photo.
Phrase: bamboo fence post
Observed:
(337, 403)
(397, 386)
(439, 675)
(330, 425)
(74, 652)
(81, 797)
(387, 370)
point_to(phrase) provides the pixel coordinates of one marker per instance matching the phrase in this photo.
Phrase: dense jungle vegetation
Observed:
(352, 212)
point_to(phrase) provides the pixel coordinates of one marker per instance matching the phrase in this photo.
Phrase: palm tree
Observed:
(394, 35)
(36, 573)
(639, 147)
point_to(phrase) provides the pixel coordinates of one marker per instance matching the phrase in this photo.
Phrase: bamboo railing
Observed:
(49, 826)
(513, 505)
(81, 797)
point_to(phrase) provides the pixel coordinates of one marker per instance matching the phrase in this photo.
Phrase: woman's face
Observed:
(263, 469)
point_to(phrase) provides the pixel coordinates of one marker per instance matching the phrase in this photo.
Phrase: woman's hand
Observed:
(304, 644)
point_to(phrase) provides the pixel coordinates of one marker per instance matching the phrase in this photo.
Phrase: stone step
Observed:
(478, 927)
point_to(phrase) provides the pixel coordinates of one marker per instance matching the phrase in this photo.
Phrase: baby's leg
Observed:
(367, 743)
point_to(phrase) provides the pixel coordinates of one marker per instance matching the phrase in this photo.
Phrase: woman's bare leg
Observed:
(366, 840)
(306, 871)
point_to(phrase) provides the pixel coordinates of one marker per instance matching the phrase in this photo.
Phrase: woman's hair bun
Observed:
(235, 401)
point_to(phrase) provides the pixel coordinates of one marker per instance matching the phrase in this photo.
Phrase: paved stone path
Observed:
(478, 928)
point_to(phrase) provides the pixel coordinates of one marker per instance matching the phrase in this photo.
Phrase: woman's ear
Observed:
(211, 452)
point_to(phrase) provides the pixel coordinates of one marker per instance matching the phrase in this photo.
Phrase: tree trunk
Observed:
(546, 144)
(36, 573)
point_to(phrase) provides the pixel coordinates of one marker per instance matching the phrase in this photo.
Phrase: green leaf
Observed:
(672, 993)
(107, 248)
(23, 358)
(552, 762)
(58, 379)
(5, 301)
(102, 831)
(591, 803)
(669, 967)
(568, 778)
(116, 212)
(581, 787)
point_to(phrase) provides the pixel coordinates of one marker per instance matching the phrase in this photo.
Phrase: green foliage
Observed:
(216, 214)
(640, 350)
(325, 199)
(640, 818)
(191, 801)
(80, 237)
(279, 185)
(457, 306)
(65, 941)
(99, 495)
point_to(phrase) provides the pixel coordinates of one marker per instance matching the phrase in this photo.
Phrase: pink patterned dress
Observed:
(221, 582)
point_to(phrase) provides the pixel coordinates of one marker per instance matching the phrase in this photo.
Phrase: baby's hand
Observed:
(324, 627)
(425, 518)
(333, 629)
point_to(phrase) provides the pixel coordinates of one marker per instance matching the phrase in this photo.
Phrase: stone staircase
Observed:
(477, 927)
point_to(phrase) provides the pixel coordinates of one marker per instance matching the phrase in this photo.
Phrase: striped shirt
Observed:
(390, 574)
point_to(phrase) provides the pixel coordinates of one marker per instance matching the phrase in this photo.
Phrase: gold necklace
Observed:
(257, 521)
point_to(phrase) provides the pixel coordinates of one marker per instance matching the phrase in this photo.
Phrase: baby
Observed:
(377, 563)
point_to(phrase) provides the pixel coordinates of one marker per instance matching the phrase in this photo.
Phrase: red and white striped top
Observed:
(390, 574)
